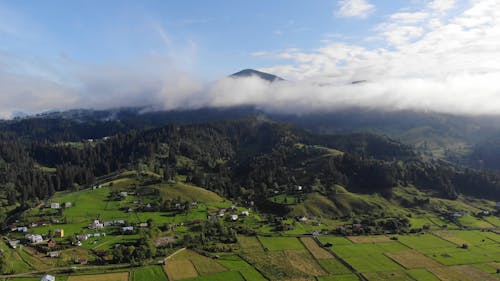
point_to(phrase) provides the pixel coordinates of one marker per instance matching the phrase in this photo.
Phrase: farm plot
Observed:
(462, 273)
(472, 237)
(149, 273)
(221, 276)
(456, 256)
(383, 276)
(368, 249)
(334, 240)
(370, 239)
(180, 269)
(412, 259)
(424, 242)
(345, 277)
(281, 265)
(372, 263)
(334, 266)
(250, 244)
(281, 243)
(203, 265)
(422, 275)
(119, 276)
(313, 247)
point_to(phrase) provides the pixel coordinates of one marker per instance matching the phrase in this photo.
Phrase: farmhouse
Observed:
(22, 229)
(143, 224)
(234, 217)
(34, 238)
(59, 233)
(123, 194)
(77, 243)
(68, 205)
(55, 205)
(83, 261)
(119, 222)
(97, 224)
(82, 237)
(127, 228)
(48, 278)
(245, 213)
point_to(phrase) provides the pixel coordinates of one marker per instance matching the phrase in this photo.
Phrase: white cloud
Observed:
(442, 5)
(354, 8)
(406, 17)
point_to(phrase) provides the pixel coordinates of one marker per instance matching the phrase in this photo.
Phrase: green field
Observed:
(281, 243)
(155, 273)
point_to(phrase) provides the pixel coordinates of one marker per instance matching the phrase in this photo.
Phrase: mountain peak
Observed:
(252, 72)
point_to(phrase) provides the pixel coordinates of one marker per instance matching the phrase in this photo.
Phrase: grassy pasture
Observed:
(281, 243)
(372, 263)
(180, 269)
(233, 262)
(412, 259)
(202, 264)
(424, 241)
(334, 240)
(462, 273)
(119, 276)
(222, 276)
(370, 239)
(344, 277)
(472, 237)
(303, 261)
(151, 273)
(250, 244)
(276, 265)
(368, 249)
(315, 249)
(383, 276)
(251, 274)
(422, 275)
(456, 256)
(334, 266)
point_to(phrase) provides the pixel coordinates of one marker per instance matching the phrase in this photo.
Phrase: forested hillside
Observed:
(246, 159)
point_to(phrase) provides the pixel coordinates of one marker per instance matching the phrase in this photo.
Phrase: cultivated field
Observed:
(121, 276)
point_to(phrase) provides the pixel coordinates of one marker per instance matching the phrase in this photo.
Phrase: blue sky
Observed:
(432, 55)
(210, 38)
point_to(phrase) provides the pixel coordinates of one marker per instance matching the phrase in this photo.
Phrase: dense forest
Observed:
(246, 159)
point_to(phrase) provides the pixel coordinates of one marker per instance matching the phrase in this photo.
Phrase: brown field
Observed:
(202, 264)
(179, 269)
(119, 276)
(383, 276)
(370, 239)
(250, 244)
(303, 261)
(462, 273)
(315, 249)
(412, 259)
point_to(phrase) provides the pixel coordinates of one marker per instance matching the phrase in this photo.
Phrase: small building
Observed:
(234, 217)
(96, 224)
(123, 194)
(130, 210)
(53, 254)
(83, 261)
(143, 224)
(299, 188)
(97, 235)
(34, 238)
(68, 204)
(51, 243)
(82, 237)
(108, 223)
(59, 233)
(22, 229)
(55, 205)
(13, 243)
(302, 219)
(48, 278)
(245, 213)
(127, 228)
(119, 222)
(77, 243)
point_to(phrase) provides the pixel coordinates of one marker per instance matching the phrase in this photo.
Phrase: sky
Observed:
(429, 55)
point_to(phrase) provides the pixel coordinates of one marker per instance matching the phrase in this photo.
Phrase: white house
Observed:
(22, 229)
(34, 238)
(96, 224)
(143, 224)
(234, 217)
(119, 222)
(48, 278)
(82, 237)
(68, 204)
(299, 188)
(245, 213)
(123, 194)
(14, 243)
(127, 228)
(55, 205)
(53, 254)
